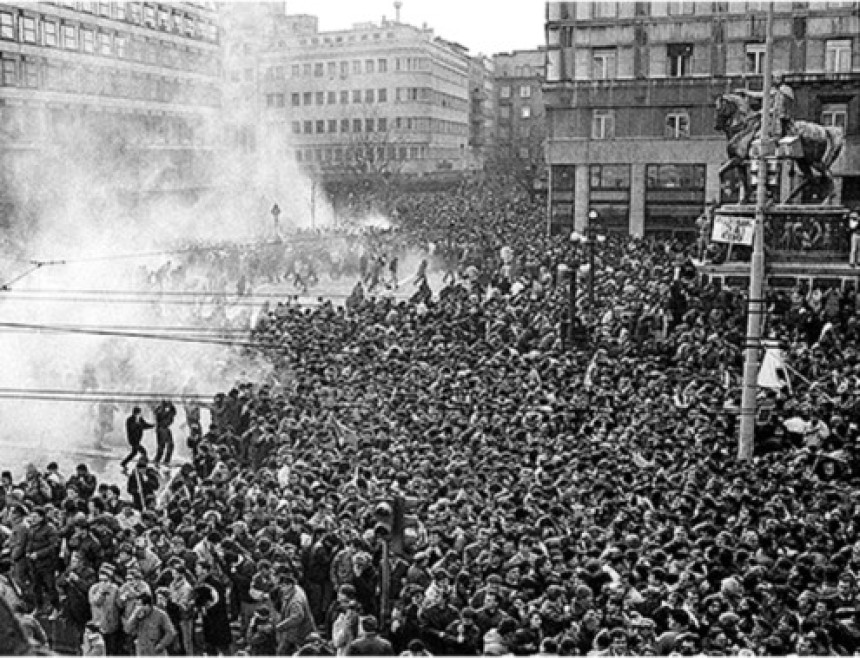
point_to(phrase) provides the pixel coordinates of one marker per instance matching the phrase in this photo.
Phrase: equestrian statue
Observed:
(819, 145)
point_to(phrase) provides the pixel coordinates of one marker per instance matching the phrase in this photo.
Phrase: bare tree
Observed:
(520, 159)
(371, 148)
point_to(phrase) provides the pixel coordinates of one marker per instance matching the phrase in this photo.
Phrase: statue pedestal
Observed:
(802, 243)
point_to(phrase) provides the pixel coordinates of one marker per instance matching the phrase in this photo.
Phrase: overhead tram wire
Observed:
(82, 397)
(191, 249)
(21, 326)
(37, 263)
(288, 299)
(85, 394)
(184, 330)
(4, 287)
(122, 400)
(154, 293)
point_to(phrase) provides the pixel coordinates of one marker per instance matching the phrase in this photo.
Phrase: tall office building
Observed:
(380, 97)
(630, 97)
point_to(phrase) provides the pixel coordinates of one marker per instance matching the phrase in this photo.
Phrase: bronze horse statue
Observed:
(821, 146)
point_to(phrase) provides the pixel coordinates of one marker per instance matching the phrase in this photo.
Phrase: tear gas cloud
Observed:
(73, 206)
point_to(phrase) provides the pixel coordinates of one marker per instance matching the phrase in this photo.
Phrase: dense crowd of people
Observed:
(569, 498)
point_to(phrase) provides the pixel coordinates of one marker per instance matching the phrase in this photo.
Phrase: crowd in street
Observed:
(570, 497)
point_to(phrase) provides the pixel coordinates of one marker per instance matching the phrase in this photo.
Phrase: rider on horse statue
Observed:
(813, 148)
(781, 107)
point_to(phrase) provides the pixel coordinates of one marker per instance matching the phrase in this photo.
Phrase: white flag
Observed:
(773, 373)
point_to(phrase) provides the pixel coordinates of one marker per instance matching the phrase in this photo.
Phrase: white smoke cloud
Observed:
(74, 205)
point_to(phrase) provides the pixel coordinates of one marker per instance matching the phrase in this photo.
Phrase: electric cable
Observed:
(152, 293)
(130, 400)
(86, 394)
(28, 327)
(289, 300)
(223, 246)
(183, 330)
(5, 286)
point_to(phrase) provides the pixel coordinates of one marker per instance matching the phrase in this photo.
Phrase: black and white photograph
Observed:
(430, 328)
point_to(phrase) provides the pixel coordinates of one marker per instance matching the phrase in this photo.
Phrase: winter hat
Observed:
(494, 645)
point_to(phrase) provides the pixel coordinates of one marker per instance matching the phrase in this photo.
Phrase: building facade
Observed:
(482, 112)
(141, 78)
(630, 94)
(383, 98)
(520, 114)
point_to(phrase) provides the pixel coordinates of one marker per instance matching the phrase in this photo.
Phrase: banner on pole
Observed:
(734, 230)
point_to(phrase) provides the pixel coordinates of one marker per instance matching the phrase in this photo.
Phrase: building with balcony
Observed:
(482, 112)
(136, 80)
(630, 94)
(377, 98)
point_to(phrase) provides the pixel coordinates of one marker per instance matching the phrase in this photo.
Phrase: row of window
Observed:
(320, 98)
(617, 177)
(19, 123)
(679, 59)
(92, 41)
(525, 91)
(340, 39)
(677, 122)
(357, 154)
(505, 112)
(519, 71)
(102, 81)
(343, 68)
(130, 12)
(366, 96)
(602, 9)
(379, 125)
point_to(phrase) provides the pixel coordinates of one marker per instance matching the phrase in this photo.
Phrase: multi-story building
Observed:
(520, 112)
(250, 28)
(138, 78)
(482, 113)
(387, 97)
(630, 97)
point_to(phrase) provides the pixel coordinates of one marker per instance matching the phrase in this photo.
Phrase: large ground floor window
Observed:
(609, 197)
(562, 187)
(674, 198)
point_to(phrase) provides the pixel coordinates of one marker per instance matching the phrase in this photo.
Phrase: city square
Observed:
(385, 339)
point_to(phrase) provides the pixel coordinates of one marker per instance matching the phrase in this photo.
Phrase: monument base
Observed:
(803, 244)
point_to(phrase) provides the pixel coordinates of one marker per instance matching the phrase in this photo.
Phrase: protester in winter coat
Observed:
(211, 602)
(150, 627)
(294, 619)
(370, 644)
(105, 610)
(42, 552)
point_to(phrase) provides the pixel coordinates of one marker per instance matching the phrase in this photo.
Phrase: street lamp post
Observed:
(572, 302)
(591, 238)
(276, 214)
(575, 334)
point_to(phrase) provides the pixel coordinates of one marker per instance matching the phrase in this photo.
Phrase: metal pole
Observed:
(572, 304)
(385, 576)
(591, 240)
(755, 304)
(549, 203)
(313, 204)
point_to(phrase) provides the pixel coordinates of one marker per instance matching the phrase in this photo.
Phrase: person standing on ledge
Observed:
(135, 425)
